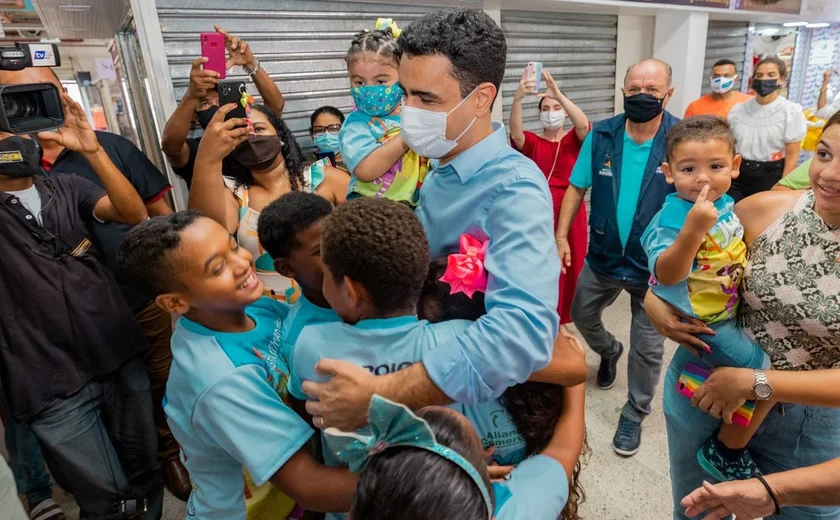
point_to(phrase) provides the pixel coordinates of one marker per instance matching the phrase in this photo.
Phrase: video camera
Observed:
(32, 107)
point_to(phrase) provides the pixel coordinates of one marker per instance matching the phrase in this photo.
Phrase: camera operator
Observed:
(70, 347)
(155, 324)
(201, 102)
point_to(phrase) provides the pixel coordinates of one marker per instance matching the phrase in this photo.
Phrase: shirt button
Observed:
(28, 217)
(14, 201)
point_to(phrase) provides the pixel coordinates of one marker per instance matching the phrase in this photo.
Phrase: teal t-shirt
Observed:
(537, 489)
(302, 313)
(496, 428)
(226, 404)
(634, 159)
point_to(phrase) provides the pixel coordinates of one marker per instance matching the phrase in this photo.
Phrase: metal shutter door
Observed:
(300, 43)
(725, 40)
(578, 50)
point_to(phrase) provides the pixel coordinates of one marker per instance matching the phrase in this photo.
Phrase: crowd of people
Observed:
(380, 330)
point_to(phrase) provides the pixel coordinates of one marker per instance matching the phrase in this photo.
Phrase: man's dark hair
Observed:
(725, 61)
(325, 110)
(699, 129)
(145, 255)
(381, 245)
(468, 38)
(777, 62)
(282, 220)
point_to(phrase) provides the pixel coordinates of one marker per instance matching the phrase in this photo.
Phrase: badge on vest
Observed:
(606, 169)
(11, 157)
(81, 249)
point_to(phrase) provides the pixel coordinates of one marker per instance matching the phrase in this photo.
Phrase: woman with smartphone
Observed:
(791, 308)
(555, 151)
(264, 166)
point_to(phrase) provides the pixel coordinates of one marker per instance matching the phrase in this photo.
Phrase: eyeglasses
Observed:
(319, 130)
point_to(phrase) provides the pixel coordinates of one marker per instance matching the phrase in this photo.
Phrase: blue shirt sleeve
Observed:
(538, 488)
(582, 172)
(656, 239)
(243, 415)
(355, 140)
(305, 355)
(516, 336)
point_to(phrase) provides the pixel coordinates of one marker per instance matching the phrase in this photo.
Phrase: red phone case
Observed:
(213, 48)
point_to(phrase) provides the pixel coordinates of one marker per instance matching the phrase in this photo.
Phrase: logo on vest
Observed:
(606, 169)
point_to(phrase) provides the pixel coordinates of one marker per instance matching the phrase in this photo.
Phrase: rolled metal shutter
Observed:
(301, 44)
(578, 50)
(725, 40)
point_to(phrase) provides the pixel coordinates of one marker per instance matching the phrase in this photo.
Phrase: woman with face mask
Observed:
(265, 165)
(555, 151)
(769, 130)
(324, 125)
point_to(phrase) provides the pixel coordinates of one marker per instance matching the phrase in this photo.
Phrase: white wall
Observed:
(634, 43)
(680, 40)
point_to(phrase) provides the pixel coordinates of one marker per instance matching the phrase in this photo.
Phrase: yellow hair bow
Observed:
(385, 23)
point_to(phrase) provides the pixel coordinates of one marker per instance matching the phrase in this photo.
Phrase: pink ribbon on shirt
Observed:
(465, 270)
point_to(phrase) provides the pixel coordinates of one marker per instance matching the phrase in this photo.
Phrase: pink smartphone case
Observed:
(213, 48)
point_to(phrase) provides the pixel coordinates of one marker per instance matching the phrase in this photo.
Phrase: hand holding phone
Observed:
(231, 92)
(213, 48)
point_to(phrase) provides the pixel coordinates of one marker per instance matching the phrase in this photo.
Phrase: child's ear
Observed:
(669, 175)
(281, 265)
(736, 166)
(173, 303)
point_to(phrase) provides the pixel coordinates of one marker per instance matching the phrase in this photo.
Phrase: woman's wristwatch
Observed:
(762, 389)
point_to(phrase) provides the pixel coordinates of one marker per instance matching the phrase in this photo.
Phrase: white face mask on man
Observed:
(552, 119)
(722, 85)
(425, 130)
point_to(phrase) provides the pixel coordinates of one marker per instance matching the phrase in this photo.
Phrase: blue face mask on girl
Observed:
(327, 142)
(377, 100)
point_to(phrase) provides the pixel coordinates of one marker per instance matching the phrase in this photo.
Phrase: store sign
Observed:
(821, 10)
(770, 6)
(105, 68)
(723, 4)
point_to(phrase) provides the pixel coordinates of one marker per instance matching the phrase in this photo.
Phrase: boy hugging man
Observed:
(226, 398)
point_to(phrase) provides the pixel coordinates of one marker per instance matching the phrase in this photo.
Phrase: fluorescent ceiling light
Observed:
(795, 24)
(818, 25)
(75, 8)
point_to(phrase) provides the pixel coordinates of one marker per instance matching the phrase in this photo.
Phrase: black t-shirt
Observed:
(63, 320)
(186, 171)
(141, 173)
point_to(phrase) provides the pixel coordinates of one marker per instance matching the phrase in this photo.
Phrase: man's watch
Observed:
(252, 71)
(762, 389)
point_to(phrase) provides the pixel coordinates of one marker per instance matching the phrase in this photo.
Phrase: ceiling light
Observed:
(819, 25)
(74, 8)
(795, 24)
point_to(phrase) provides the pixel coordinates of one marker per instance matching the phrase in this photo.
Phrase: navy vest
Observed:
(606, 256)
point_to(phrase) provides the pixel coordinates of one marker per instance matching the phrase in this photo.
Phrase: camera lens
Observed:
(21, 105)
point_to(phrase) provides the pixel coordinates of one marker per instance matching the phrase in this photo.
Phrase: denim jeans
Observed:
(731, 347)
(100, 443)
(25, 459)
(595, 293)
(792, 436)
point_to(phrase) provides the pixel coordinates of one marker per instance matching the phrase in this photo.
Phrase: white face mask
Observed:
(552, 119)
(723, 85)
(425, 130)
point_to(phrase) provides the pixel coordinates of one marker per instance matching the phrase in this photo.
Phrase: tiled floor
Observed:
(616, 488)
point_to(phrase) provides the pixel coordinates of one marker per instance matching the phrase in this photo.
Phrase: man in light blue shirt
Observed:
(621, 162)
(452, 65)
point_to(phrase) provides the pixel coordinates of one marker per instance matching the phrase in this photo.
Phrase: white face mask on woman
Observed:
(425, 130)
(552, 119)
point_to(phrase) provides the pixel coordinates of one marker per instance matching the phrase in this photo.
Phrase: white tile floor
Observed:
(616, 488)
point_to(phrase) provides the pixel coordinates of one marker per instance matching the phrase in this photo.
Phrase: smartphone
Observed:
(693, 376)
(213, 48)
(535, 74)
(231, 92)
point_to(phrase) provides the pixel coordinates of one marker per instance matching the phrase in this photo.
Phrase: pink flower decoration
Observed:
(465, 270)
(379, 447)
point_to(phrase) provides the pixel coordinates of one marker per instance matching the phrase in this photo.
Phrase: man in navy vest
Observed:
(621, 162)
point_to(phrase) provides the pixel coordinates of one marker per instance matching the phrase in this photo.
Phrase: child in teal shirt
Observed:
(226, 397)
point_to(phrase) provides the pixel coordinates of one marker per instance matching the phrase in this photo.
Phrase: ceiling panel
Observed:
(82, 18)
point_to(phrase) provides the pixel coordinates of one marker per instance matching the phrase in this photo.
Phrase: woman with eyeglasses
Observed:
(324, 125)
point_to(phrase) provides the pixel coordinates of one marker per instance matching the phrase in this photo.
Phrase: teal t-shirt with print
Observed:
(496, 428)
(634, 159)
(302, 314)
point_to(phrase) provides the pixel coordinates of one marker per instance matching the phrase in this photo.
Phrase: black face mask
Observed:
(258, 152)
(20, 157)
(643, 107)
(204, 116)
(765, 87)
